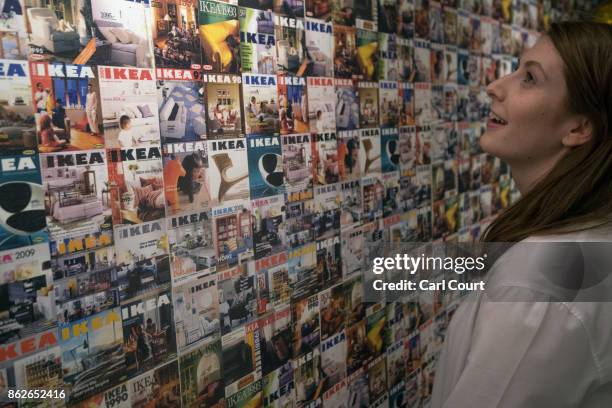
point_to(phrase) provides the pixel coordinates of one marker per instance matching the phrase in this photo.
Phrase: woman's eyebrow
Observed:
(533, 63)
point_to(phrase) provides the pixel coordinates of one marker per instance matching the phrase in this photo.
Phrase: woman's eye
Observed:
(529, 78)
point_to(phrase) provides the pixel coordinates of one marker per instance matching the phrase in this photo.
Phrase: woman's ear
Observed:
(581, 132)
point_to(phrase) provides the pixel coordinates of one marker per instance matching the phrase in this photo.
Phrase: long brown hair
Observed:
(577, 192)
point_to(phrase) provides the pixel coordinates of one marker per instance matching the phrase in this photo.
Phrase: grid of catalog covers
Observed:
(189, 192)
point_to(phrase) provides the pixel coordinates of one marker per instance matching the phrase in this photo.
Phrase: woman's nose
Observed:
(495, 90)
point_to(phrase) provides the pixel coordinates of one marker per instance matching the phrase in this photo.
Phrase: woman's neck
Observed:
(524, 179)
(527, 173)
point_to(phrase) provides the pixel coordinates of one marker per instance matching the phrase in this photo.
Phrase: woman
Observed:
(219, 116)
(91, 110)
(351, 158)
(173, 171)
(190, 182)
(40, 98)
(550, 121)
(47, 135)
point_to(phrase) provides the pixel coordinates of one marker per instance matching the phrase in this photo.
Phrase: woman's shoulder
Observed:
(598, 231)
(572, 270)
(561, 259)
(564, 267)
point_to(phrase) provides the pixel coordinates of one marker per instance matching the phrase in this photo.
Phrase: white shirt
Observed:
(125, 138)
(41, 99)
(532, 353)
(90, 101)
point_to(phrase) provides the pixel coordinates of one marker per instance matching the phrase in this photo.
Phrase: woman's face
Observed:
(531, 104)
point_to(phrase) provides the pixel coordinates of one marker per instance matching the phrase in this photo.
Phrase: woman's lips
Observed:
(491, 124)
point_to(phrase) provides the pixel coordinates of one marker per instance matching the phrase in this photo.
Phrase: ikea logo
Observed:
(318, 27)
(12, 69)
(256, 38)
(259, 79)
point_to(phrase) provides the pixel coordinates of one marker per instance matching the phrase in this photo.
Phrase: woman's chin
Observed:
(490, 142)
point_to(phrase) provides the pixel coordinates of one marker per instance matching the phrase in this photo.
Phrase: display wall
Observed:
(191, 191)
